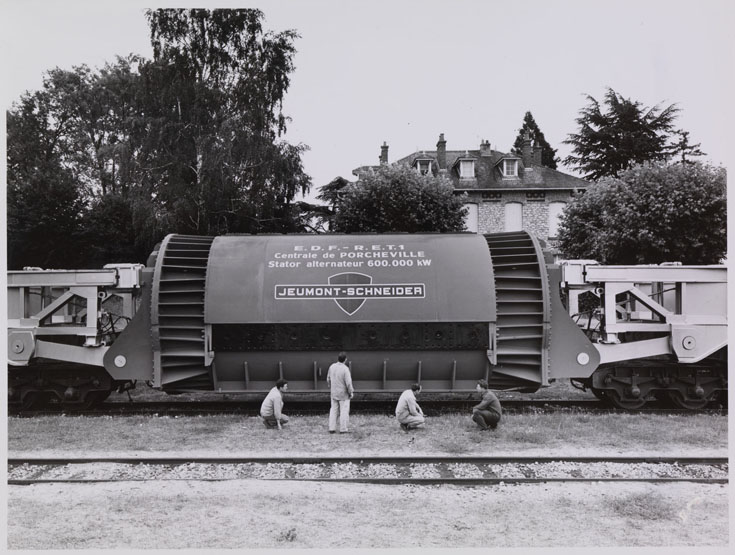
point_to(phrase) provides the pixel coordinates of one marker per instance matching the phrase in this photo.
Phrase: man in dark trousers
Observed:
(270, 410)
(487, 413)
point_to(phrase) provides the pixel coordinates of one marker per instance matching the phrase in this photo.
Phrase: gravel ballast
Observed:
(349, 470)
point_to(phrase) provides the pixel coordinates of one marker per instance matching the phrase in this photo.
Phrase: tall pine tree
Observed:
(548, 154)
(626, 133)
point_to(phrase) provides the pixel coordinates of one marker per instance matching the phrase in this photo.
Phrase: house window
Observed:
(466, 168)
(555, 211)
(470, 218)
(423, 166)
(510, 168)
(513, 216)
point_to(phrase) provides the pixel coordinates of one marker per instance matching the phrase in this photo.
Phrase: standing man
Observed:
(270, 410)
(408, 411)
(339, 381)
(487, 413)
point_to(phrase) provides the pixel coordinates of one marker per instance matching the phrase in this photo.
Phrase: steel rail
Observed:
(334, 468)
(57, 461)
(302, 408)
(379, 481)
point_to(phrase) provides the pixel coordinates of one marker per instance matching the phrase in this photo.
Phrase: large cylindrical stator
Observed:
(238, 312)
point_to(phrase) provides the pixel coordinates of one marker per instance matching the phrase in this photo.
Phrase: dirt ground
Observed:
(263, 514)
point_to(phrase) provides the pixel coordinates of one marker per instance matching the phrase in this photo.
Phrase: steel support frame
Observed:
(94, 287)
(702, 330)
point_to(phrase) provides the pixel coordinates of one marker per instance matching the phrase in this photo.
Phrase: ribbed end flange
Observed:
(177, 313)
(521, 292)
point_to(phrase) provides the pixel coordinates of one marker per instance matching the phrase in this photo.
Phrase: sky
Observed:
(402, 72)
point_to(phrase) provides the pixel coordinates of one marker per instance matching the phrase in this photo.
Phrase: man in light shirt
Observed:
(408, 411)
(339, 381)
(270, 410)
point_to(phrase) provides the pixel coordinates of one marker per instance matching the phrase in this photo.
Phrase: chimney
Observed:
(537, 149)
(485, 148)
(384, 154)
(441, 152)
(527, 150)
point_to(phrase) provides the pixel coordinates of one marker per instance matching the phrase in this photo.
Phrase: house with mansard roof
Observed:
(505, 191)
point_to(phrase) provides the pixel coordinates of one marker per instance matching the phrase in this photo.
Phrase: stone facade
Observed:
(535, 211)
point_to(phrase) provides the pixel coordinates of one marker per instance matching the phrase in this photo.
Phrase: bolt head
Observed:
(689, 343)
(120, 361)
(583, 358)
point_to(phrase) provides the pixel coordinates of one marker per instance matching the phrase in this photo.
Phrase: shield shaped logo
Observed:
(350, 306)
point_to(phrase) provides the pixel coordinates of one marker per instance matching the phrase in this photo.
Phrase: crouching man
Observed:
(487, 413)
(270, 410)
(408, 411)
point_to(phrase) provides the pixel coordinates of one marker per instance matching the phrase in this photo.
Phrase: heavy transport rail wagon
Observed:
(234, 313)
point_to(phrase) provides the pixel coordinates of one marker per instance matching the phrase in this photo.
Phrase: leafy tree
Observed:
(624, 134)
(548, 154)
(190, 142)
(70, 143)
(651, 214)
(109, 234)
(44, 203)
(397, 198)
(214, 92)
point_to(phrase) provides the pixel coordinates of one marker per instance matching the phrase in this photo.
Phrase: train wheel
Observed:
(91, 400)
(34, 400)
(601, 394)
(29, 400)
(679, 401)
(94, 398)
(628, 404)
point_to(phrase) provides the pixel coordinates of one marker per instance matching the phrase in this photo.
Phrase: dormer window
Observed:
(466, 169)
(510, 168)
(423, 167)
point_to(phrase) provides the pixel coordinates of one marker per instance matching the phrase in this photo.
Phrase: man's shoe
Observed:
(332, 431)
(404, 427)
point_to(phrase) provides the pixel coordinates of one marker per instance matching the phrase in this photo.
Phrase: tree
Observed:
(45, 205)
(189, 142)
(651, 214)
(214, 92)
(548, 154)
(397, 198)
(70, 143)
(683, 148)
(109, 234)
(625, 134)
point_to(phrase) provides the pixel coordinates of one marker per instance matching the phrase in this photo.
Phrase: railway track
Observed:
(471, 471)
(251, 408)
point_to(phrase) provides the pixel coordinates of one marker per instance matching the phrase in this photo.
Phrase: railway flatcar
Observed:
(235, 313)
